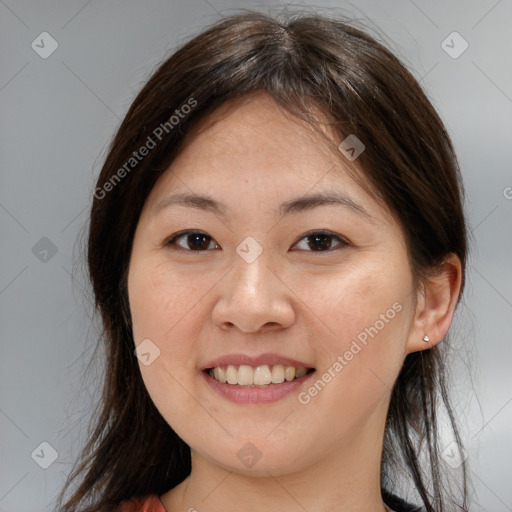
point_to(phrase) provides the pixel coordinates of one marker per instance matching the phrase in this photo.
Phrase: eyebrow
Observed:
(297, 205)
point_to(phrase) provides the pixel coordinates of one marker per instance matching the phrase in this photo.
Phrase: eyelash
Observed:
(170, 242)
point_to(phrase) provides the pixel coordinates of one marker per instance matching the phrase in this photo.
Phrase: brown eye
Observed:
(193, 241)
(321, 241)
(197, 241)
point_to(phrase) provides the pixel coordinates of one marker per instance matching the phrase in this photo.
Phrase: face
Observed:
(260, 281)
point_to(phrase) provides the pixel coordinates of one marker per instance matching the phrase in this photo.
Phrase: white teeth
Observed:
(245, 375)
(262, 375)
(220, 374)
(231, 375)
(289, 373)
(278, 374)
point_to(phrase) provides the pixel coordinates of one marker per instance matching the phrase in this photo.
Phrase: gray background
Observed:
(58, 115)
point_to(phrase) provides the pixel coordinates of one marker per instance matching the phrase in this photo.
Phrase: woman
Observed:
(277, 247)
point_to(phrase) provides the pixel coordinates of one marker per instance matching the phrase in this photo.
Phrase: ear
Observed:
(437, 298)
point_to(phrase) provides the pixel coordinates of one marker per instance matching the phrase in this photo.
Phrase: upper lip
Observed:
(269, 359)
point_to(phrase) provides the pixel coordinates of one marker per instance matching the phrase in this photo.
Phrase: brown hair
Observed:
(301, 61)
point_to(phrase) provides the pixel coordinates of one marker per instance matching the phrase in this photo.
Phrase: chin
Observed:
(258, 458)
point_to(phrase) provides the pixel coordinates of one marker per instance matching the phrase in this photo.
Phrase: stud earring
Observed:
(426, 339)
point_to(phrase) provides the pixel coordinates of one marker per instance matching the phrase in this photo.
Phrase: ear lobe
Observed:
(437, 298)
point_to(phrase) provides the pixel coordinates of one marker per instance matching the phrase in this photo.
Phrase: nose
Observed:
(253, 297)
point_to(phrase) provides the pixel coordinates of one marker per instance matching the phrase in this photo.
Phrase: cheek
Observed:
(160, 300)
(365, 315)
(354, 298)
(162, 307)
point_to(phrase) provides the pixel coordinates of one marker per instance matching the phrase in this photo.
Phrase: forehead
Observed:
(254, 138)
(253, 150)
(257, 124)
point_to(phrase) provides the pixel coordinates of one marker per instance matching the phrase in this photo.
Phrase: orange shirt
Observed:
(149, 503)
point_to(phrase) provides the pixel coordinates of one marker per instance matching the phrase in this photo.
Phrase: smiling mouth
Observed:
(260, 376)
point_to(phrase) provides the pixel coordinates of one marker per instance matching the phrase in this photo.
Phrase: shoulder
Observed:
(399, 505)
(409, 508)
(148, 503)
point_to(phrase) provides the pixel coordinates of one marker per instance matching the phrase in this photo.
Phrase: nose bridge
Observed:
(252, 278)
(252, 296)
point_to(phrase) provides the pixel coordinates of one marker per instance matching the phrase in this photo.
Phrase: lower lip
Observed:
(254, 395)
